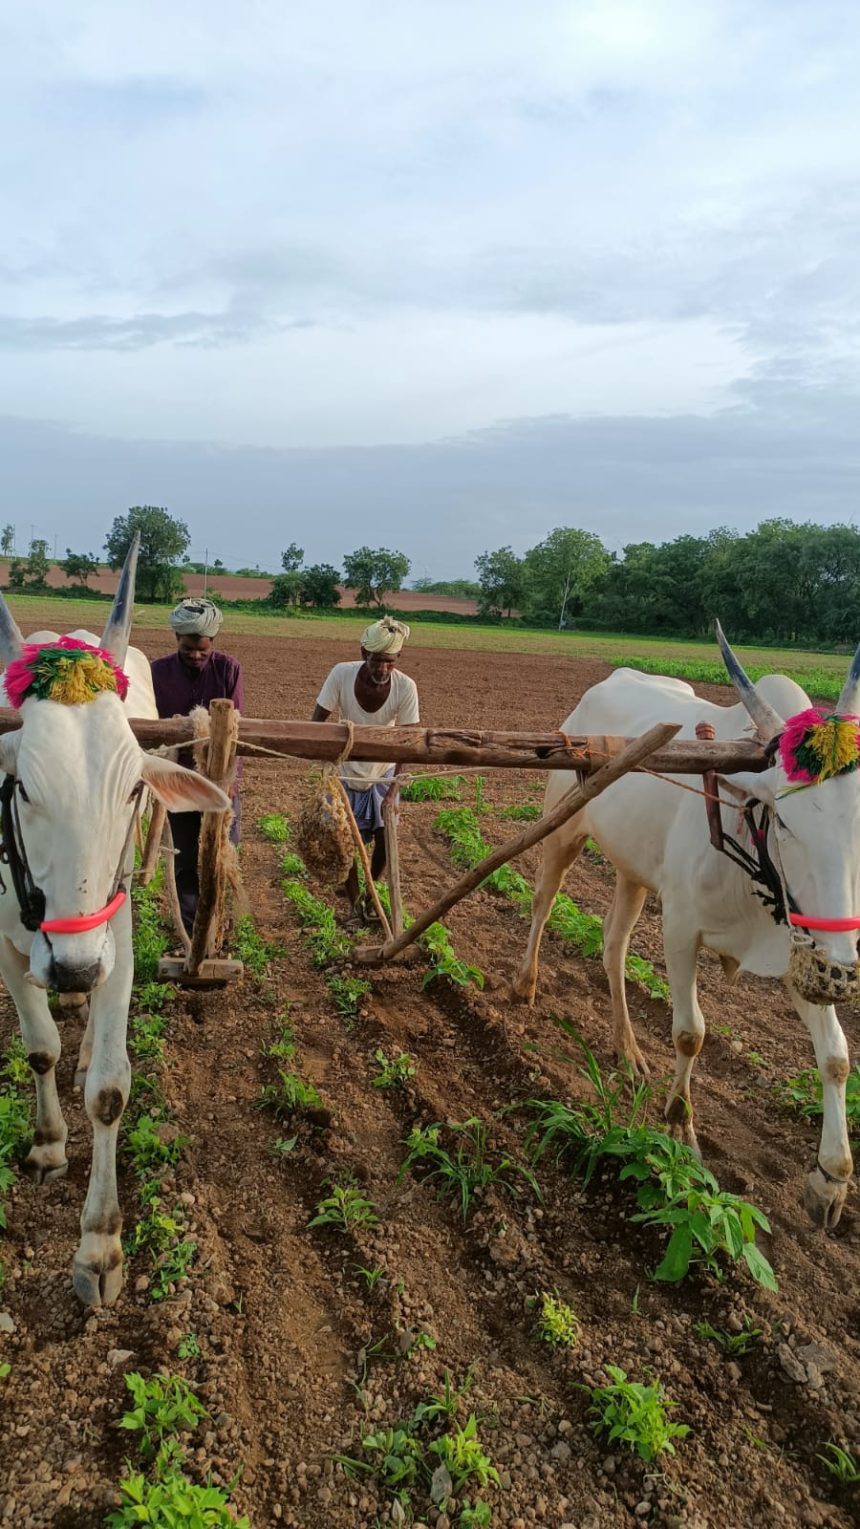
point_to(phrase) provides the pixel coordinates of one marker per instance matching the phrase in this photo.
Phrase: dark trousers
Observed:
(185, 827)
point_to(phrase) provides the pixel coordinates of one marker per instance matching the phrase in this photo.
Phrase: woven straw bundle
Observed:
(820, 980)
(323, 834)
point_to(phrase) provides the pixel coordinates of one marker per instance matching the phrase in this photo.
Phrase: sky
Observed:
(438, 275)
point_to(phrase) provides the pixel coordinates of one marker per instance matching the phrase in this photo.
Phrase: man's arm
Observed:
(407, 716)
(320, 714)
(236, 689)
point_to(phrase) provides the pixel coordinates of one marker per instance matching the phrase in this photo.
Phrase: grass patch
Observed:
(251, 949)
(433, 788)
(149, 940)
(467, 1168)
(274, 827)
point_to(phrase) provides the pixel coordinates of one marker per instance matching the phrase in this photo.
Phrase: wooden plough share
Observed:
(598, 761)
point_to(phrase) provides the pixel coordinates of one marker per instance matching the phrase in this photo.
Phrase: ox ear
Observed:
(11, 641)
(9, 745)
(182, 790)
(118, 626)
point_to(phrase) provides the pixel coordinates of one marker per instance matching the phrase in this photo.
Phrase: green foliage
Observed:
(293, 866)
(733, 1344)
(79, 566)
(149, 941)
(153, 1145)
(371, 1277)
(561, 573)
(171, 1267)
(433, 788)
(274, 826)
(373, 573)
(841, 1465)
(444, 961)
(146, 1037)
(522, 812)
(172, 1503)
(5, 1370)
(461, 1452)
(163, 1405)
(557, 1323)
(282, 1146)
(289, 1094)
(32, 570)
(626, 1412)
(319, 586)
(347, 992)
(393, 1073)
(163, 540)
(803, 1094)
(327, 943)
(344, 1208)
(15, 1069)
(284, 1044)
(470, 1167)
(189, 1347)
(477, 1515)
(251, 949)
(501, 582)
(439, 1470)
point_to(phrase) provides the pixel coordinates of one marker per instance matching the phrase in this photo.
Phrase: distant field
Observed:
(820, 673)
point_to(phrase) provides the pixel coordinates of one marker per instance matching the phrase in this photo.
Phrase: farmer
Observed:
(374, 692)
(193, 676)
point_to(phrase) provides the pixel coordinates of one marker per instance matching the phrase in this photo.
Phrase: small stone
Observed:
(561, 1451)
(118, 1357)
(141, 1284)
(792, 1365)
(734, 1370)
(7, 1324)
(642, 1509)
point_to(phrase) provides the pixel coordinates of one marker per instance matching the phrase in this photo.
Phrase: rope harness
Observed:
(30, 897)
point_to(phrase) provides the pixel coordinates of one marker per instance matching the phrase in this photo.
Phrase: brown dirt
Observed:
(281, 1314)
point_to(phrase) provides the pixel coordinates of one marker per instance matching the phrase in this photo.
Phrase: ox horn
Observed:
(118, 626)
(849, 701)
(768, 721)
(11, 641)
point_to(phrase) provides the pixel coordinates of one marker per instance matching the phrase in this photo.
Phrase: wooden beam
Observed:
(450, 746)
(572, 802)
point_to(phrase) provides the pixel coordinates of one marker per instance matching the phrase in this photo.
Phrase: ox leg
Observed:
(85, 1054)
(618, 926)
(47, 1156)
(822, 1197)
(97, 1268)
(688, 1033)
(559, 852)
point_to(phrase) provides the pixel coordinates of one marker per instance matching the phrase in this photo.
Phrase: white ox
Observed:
(657, 837)
(76, 770)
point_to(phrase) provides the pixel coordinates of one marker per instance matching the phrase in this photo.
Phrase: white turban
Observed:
(198, 618)
(385, 636)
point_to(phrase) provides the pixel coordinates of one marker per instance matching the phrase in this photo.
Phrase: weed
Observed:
(189, 1348)
(433, 788)
(163, 1406)
(174, 1503)
(275, 827)
(393, 1073)
(15, 1071)
(291, 1093)
(251, 949)
(733, 1344)
(470, 1168)
(345, 1208)
(841, 1465)
(347, 993)
(293, 865)
(557, 1324)
(522, 812)
(282, 1146)
(152, 1145)
(629, 1413)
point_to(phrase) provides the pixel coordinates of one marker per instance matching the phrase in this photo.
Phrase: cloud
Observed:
(140, 332)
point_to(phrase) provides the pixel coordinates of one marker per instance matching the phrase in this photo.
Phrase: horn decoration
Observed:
(768, 721)
(117, 632)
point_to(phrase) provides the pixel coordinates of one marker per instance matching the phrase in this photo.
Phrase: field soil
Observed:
(298, 1358)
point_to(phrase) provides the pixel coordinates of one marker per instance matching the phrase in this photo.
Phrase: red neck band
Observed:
(830, 925)
(87, 921)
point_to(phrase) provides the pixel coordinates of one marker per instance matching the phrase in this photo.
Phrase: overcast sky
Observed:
(436, 274)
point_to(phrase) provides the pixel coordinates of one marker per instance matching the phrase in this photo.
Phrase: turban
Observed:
(385, 636)
(198, 618)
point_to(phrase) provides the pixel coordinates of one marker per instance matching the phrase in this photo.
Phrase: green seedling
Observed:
(282, 1146)
(802, 1093)
(628, 1413)
(557, 1323)
(394, 1072)
(172, 1267)
(347, 993)
(152, 996)
(522, 812)
(371, 1277)
(15, 1072)
(284, 1044)
(442, 1404)
(445, 963)
(465, 1459)
(293, 866)
(841, 1465)
(172, 1503)
(733, 1344)
(274, 827)
(189, 1347)
(433, 788)
(164, 1405)
(149, 940)
(153, 1145)
(290, 1094)
(325, 940)
(251, 949)
(478, 1515)
(469, 1168)
(345, 1208)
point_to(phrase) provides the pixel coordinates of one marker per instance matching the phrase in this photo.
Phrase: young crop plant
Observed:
(344, 1208)
(289, 1095)
(293, 866)
(173, 1502)
(444, 961)
(467, 1463)
(274, 827)
(557, 1323)
(282, 1146)
(469, 1168)
(802, 1093)
(626, 1412)
(347, 993)
(477, 1515)
(522, 812)
(735, 1345)
(189, 1347)
(251, 949)
(152, 1145)
(15, 1072)
(284, 1044)
(326, 941)
(146, 1037)
(433, 788)
(164, 1405)
(843, 1466)
(149, 940)
(395, 1072)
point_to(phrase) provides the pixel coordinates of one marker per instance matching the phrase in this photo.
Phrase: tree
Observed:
(7, 541)
(79, 566)
(561, 572)
(292, 559)
(30, 571)
(501, 581)
(285, 591)
(319, 585)
(373, 573)
(163, 541)
(217, 566)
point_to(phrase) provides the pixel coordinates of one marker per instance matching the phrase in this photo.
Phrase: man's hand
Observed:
(390, 797)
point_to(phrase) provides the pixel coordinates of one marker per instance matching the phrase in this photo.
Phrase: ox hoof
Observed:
(94, 1285)
(523, 991)
(823, 1202)
(45, 1163)
(631, 1056)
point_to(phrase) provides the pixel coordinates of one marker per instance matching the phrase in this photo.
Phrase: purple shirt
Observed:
(179, 689)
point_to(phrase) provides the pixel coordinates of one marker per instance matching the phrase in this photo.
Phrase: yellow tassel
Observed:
(834, 743)
(80, 680)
